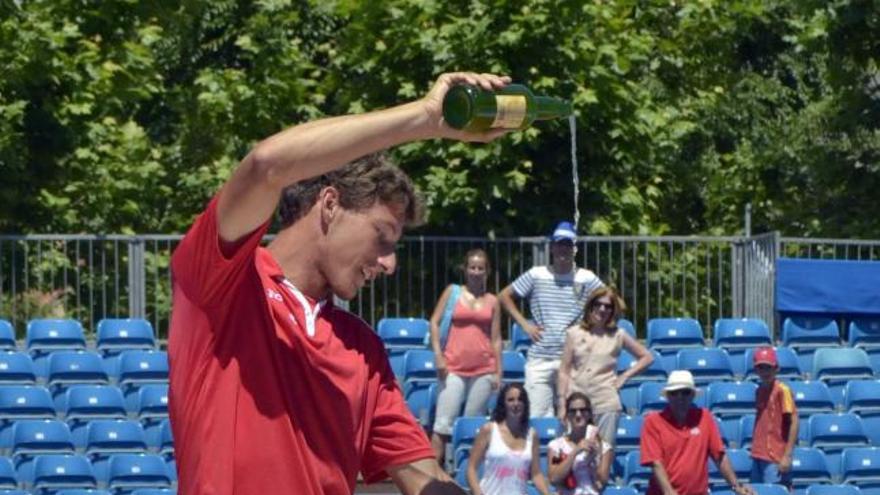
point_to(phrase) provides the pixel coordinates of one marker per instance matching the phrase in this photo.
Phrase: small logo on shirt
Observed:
(695, 432)
(273, 294)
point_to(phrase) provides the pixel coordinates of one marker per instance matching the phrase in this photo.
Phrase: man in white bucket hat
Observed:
(677, 441)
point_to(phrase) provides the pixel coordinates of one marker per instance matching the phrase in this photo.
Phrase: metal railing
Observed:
(90, 277)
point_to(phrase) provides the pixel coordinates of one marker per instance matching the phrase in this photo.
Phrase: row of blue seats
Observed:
(120, 472)
(88, 491)
(736, 398)
(664, 333)
(29, 436)
(84, 366)
(83, 400)
(112, 335)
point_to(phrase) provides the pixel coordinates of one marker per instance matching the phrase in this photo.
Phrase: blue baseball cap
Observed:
(564, 231)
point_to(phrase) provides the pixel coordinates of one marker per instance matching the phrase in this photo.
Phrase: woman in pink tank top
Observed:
(469, 364)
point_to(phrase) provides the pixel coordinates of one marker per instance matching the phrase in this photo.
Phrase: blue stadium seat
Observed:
(627, 327)
(105, 436)
(836, 366)
(834, 432)
(8, 478)
(166, 439)
(864, 333)
(519, 339)
(634, 474)
(154, 491)
(464, 432)
(461, 470)
(741, 333)
(547, 429)
(811, 397)
(513, 366)
(862, 397)
(403, 333)
(629, 430)
(809, 466)
(19, 402)
(746, 430)
(736, 335)
(650, 397)
(84, 403)
(861, 465)
(81, 491)
(152, 402)
(707, 365)
(16, 491)
(130, 471)
(124, 334)
(768, 489)
(629, 391)
(16, 368)
(418, 366)
(7, 336)
(620, 490)
(833, 490)
(422, 402)
(805, 334)
(74, 367)
(740, 461)
(41, 436)
(669, 335)
(54, 472)
(731, 399)
(54, 334)
(141, 367)
(108, 437)
(171, 468)
(789, 365)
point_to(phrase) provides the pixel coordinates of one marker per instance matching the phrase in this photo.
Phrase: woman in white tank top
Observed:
(507, 448)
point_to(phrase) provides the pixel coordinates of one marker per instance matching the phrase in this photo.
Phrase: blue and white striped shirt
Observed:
(556, 303)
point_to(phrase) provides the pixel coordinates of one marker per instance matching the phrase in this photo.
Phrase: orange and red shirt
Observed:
(264, 398)
(774, 407)
(682, 449)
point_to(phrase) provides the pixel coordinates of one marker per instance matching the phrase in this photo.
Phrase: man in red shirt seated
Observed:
(273, 389)
(677, 441)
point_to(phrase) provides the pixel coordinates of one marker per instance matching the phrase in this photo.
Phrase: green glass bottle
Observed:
(475, 109)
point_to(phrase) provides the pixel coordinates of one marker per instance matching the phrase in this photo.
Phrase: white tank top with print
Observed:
(506, 471)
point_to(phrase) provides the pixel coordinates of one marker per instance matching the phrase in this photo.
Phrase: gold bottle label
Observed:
(511, 111)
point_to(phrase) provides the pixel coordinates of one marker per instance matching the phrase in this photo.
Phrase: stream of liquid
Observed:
(572, 124)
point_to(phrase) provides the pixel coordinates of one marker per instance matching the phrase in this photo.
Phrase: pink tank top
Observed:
(469, 346)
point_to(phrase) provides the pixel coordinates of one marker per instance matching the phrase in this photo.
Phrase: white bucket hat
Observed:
(679, 380)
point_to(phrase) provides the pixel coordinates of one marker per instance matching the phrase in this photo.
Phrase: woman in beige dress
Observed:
(589, 360)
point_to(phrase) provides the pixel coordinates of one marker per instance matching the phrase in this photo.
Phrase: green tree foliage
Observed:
(126, 116)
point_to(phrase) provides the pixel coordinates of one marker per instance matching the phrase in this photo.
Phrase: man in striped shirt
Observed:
(556, 295)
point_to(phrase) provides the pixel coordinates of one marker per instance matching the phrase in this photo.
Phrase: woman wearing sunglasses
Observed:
(580, 460)
(589, 360)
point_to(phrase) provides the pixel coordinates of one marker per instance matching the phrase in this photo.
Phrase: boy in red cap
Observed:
(776, 423)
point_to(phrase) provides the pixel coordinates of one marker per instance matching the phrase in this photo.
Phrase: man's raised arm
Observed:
(251, 195)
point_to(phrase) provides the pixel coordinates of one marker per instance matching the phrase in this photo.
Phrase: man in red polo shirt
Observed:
(678, 441)
(273, 389)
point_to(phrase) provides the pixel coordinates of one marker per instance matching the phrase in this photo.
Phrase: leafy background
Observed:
(120, 116)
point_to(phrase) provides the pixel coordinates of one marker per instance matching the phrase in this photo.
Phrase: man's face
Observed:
(359, 246)
(766, 372)
(562, 251)
(680, 400)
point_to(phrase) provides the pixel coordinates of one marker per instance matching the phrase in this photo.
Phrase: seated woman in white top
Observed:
(509, 448)
(579, 460)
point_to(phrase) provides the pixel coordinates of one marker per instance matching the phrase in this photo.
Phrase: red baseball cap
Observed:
(765, 355)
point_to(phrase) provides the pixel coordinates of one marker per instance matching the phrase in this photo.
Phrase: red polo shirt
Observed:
(258, 405)
(683, 450)
(774, 406)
